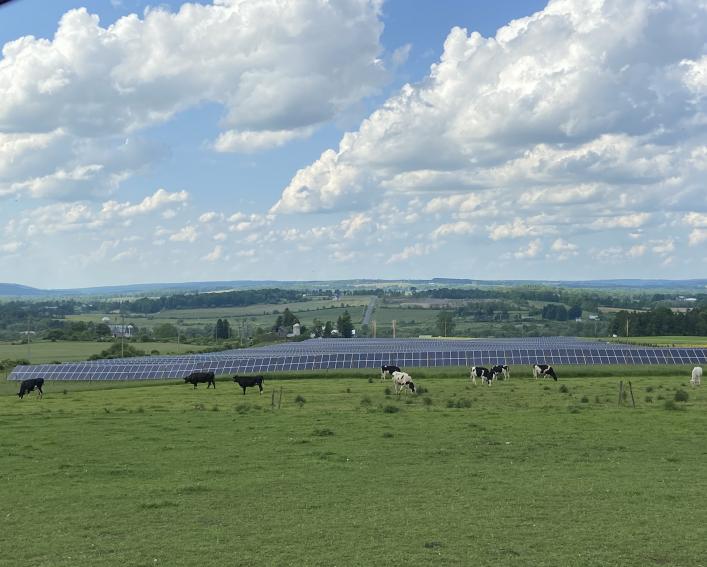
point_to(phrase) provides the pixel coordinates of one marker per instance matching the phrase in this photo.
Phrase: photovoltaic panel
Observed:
(323, 354)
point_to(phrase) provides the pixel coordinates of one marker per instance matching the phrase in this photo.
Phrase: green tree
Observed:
(445, 323)
(344, 324)
(165, 331)
(327, 329)
(574, 312)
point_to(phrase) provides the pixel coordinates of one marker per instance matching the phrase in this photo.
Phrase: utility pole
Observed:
(122, 331)
(393, 328)
(29, 319)
(627, 327)
(374, 328)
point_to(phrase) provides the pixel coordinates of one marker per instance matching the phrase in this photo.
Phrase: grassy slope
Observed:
(64, 351)
(162, 474)
(682, 341)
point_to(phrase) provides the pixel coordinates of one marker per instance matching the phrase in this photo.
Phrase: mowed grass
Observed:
(263, 315)
(681, 341)
(64, 351)
(519, 473)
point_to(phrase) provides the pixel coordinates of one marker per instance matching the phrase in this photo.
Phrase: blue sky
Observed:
(287, 139)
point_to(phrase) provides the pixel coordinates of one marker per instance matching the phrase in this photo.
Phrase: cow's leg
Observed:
(243, 389)
(261, 389)
(40, 394)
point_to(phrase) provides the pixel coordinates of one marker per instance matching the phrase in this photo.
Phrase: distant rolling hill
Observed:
(10, 290)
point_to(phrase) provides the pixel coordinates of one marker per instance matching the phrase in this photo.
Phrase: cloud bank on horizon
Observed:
(572, 144)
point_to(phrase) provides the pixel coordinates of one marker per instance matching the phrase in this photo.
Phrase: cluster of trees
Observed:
(660, 321)
(222, 330)
(239, 298)
(555, 312)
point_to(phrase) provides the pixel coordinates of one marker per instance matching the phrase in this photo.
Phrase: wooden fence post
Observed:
(630, 389)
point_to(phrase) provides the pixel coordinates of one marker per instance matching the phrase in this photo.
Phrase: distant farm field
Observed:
(263, 315)
(680, 341)
(519, 473)
(65, 351)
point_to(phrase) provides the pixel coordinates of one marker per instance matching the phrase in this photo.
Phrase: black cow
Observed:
(501, 370)
(481, 372)
(248, 381)
(543, 370)
(29, 385)
(388, 369)
(197, 377)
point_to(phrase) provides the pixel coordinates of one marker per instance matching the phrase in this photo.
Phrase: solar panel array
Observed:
(322, 354)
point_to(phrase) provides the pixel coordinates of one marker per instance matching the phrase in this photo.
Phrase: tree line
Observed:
(660, 321)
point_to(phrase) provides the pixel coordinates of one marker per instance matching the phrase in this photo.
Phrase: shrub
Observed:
(649, 389)
(242, 408)
(546, 388)
(348, 390)
(681, 396)
(584, 400)
(299, 400)
(370, 380)
(391, 409)
(365, 401)
(564, 389)
(649, 399)
(659, 397)
(427, 401)
(460, 403)
(324, 432)
(422, 390)
(387, 392)
(671, 405)
(387, 434)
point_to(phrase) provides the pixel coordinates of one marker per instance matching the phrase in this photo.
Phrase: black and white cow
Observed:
(388, 369)
(27, 386)
(501, 370)
(248, 381)
(543, 370)
(481, 372)
(200, 377)
(403, 381)
(696, 379)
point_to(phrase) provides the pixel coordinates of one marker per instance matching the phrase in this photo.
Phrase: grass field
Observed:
(666, 341)
(262, 315)
(64, 351)
(520, 473)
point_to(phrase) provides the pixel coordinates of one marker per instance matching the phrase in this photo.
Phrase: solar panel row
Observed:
(369, 353)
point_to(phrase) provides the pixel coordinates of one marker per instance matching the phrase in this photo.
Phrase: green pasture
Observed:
(64, 351)
(260, 315)
(523, 473)
(679, 341)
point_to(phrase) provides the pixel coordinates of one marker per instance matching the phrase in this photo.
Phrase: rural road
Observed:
(369, 311)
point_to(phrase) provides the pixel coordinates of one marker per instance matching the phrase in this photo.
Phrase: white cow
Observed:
(403, 381)
(696, 379)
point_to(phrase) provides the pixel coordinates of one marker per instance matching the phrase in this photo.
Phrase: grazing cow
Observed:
(501, 370)
(248, 381)
(29, 385)
(388, 369)
(402, 380)
(543, 370)
(696, 379)
(481, 372)
(197, 377)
